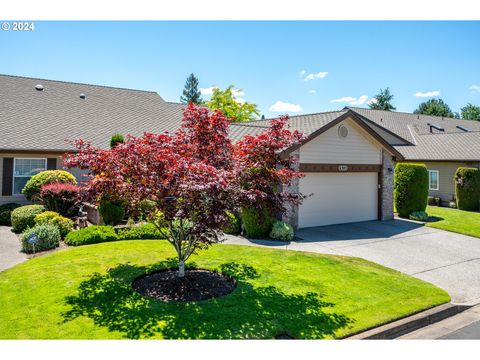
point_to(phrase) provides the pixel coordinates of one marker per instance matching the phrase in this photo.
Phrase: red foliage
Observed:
(59, 197)
(199, 166)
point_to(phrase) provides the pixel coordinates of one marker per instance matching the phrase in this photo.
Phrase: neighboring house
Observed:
(348, 156)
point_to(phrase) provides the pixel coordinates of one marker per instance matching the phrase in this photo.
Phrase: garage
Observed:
(338, 198)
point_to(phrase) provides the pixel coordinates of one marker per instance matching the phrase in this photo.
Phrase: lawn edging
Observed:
(410, 323)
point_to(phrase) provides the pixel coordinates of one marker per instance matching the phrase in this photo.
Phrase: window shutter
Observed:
(7, 177)
(52, 164)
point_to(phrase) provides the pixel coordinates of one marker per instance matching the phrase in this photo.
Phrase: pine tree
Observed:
(191, 92)
(382, 101)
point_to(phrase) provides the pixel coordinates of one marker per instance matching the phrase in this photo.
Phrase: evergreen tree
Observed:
(382, 101)
(191, 92)
(435, 107)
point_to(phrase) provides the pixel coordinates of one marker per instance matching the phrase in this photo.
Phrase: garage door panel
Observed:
(338, 198)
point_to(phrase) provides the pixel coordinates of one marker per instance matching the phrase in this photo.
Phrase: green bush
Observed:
(6, 213)
(23, 217)
(91, 235)
(419, 216)
(64, 225)
(467, 188)
(234, 224)
(112, 213)
(281, 231)
(256, 225)
(410, 188)
(34, 185)
(434, 200)
(48, 238)
(145, 207)
(116, 139)
(145, 231)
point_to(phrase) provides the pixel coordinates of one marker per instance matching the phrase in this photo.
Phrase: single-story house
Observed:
(348, 155)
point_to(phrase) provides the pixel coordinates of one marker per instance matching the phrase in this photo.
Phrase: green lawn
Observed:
(86, 293)
(463, 222)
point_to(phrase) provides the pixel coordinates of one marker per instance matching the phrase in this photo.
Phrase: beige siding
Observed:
(20, 199)
(328, 148)
(446, 173)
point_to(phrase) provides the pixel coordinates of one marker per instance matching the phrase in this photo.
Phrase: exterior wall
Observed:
(446, 173)
(20, 199)
(328, 148)
(388, 165)
(291, 215)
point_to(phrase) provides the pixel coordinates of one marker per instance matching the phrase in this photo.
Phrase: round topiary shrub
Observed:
(24, 217)
(281, 231)
(116, 139)
(33, 186)
(63, 224)
(6, 213)
(59, 197)
(91, 235)
(410, 192)
(467, 188)
(234, 226)
(111, 213)
(256, 225)
(48, 238)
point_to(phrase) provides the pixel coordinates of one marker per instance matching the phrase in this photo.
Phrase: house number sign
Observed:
(342, 168)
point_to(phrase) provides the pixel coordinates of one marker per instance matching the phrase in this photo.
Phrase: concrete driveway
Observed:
(10, 247)
(450, 261)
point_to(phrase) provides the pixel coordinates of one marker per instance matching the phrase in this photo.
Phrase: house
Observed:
(348, 155)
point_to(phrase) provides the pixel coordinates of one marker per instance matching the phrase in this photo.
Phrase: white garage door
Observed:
(338, 198)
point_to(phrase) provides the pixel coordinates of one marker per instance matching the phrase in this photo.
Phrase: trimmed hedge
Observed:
(91, 235)
(59, 197)
(256, 225)
(281, 231)
(34, 185)
(143, 232)
(24, 217)
(467, 188)
(234, 226)
(63, 224)
(112, 214)
(6, 213)
(48, 235)
(410, 188)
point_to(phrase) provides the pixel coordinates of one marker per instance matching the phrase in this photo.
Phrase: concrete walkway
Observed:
(450, 261)
(10, 247)
(465, 325)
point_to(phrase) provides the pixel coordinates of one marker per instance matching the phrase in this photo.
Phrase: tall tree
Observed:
(191, 94)
(435, 107)
(383, 101)
(231, 107)
(470, 112)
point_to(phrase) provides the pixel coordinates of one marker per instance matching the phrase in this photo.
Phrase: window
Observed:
(24, 169)
(433, 179)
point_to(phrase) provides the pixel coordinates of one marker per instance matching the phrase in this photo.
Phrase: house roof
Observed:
(33, 120)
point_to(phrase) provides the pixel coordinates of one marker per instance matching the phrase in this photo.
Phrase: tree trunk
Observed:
(181, 268)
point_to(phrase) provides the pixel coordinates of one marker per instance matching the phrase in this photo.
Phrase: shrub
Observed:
(257, 225)
(116, 139)
(434, 200)
(63, 224)
(410, 188)
(467, 188)
(281, 231)
(145, 207)
(34, 185)
(24, 216)
(112, 213)
(48, 238)
(452, 204)
(419, 216)
(91, 235)
(234, 224)
(59, 197)
(144, 231)
(6, 213)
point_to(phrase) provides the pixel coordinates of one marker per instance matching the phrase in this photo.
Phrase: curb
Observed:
(411, 323)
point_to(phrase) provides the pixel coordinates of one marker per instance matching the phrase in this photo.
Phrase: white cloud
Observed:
(313, 76)
(238, 93)
(372, 101)
(312, 91)
(351, 100)
(207, 91)
(427, 94)
(281, 106)
(474, 89)
(301, 73)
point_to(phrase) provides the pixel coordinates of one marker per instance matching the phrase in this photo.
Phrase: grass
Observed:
(463, 222)
(86, 293)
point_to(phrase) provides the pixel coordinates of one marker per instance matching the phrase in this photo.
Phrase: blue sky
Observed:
(270, 61)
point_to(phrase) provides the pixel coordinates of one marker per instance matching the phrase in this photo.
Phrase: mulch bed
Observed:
(195, 286)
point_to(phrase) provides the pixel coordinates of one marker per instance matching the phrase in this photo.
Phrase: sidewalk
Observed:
(10, 247)
(465, 325)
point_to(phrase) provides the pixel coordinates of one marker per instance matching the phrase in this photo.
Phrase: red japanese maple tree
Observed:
(194, 176)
